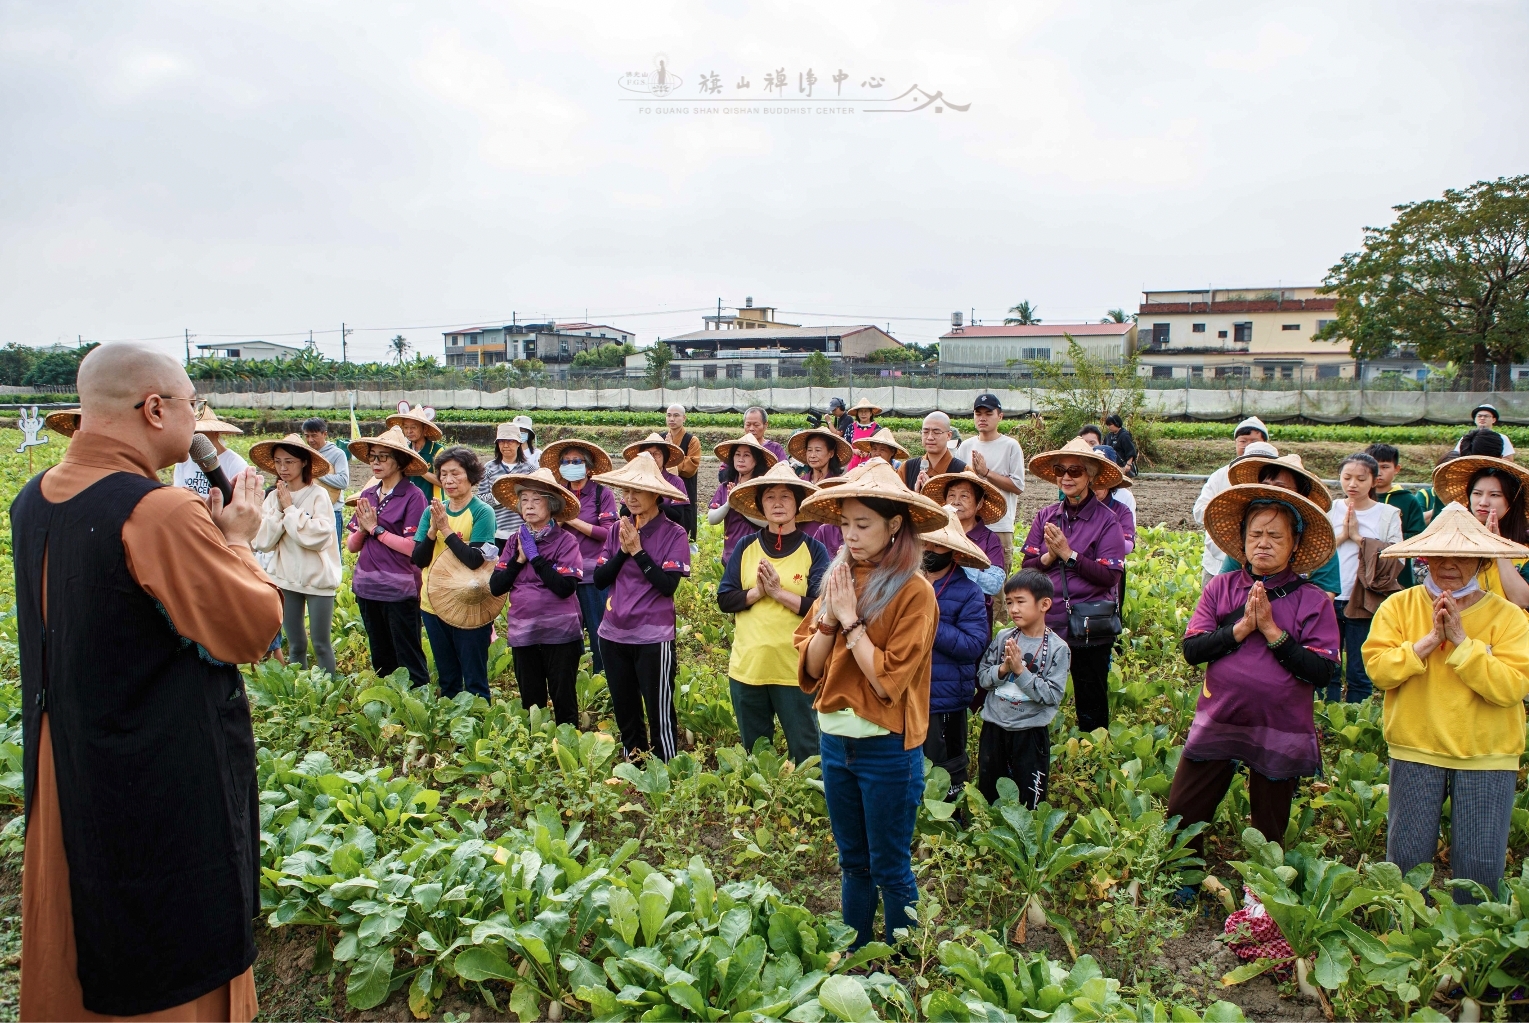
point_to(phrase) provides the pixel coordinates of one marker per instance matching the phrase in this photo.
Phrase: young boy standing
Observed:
(1025, 675)
(1405, 501)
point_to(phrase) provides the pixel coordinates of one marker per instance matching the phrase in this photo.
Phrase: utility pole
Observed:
(344, 357)
(188, 345)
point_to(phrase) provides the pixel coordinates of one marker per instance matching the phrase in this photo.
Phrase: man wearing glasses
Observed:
(996, 458)
(190, 475)
(136, 603)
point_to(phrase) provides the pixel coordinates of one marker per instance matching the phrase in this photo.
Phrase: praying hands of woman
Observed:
(1257, 616)
(1446, 626)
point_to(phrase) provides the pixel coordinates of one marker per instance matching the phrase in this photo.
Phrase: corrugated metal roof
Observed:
(772, 333)
(1040, 330)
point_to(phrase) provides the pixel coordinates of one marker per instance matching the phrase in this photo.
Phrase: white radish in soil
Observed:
(554, 1010)
(1446, 981)
(1213, 885)
(1034, 913)
(1133, 892)
(1470, 1011)
(1302, 972)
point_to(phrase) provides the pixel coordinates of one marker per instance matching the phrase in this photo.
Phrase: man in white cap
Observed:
(1252, 438)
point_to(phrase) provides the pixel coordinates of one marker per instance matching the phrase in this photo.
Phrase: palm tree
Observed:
(1118, 316)
(1024, 315)
(400, 347)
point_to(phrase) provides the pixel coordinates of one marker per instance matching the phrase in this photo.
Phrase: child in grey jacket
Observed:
(1024, 673)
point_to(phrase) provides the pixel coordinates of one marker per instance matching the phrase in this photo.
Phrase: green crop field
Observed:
(455, 859)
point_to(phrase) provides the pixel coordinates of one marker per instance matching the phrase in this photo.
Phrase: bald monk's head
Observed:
(115, 377)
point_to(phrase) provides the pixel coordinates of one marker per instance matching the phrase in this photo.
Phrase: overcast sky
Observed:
(260, 169)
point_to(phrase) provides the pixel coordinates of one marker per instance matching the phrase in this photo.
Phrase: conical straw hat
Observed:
(1224, 515)
(370, 490)
(1247, 468)
(64, 421)
(881, 436)
(796, 447)
(1109, 472)
(391, 439)
(744, 498)
(460, 595)
(599, 458)
(724, 451)
(874, 478)
(1456, 533)
(992, 507)
(264, 455)
(422, 414)
(672, 452)
(1451, 478)
(642, 474)
(863, 403)
(207, 421)
(968, 554)
(505, 491)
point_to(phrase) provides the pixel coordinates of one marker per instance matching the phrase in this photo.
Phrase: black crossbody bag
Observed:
(1090, 623)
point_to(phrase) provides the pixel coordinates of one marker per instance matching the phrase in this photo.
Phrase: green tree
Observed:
(1118, 316)
(892, 355)
(611, 356)
(400, 346)
(15, 362)
(1083, 389)
(1024, 315)
(56, 369)
(659, 357)
(820, 371)
(1449, 275)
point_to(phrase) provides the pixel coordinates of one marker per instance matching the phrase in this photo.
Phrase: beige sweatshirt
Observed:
(307, 551)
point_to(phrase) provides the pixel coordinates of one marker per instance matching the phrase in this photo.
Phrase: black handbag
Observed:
(1090, 623)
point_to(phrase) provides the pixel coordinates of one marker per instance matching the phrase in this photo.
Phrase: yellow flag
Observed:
(355, 428)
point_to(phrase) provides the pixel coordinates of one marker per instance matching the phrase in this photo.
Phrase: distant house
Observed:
(761, 353)
(259, 351)
(984, 347)
(549, 342)
(1266, 333)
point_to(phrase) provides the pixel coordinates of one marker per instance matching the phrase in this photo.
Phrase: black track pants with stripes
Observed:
(641, 675)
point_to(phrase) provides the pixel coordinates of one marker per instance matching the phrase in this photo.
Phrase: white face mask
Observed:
(572, 472)
(1434, 589)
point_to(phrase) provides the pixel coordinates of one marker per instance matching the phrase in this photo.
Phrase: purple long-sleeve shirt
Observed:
(597, 506)
(536, 614)
(991, 543)
(1095, 536)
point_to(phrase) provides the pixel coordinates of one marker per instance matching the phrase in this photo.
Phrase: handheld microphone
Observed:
(206, 458)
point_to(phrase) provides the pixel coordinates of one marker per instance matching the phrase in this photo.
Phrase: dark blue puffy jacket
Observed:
(959, 644)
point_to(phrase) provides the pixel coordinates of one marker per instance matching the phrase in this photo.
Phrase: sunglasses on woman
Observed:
(1070, 471)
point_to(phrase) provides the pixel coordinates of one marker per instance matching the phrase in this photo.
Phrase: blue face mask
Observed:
(572, 471)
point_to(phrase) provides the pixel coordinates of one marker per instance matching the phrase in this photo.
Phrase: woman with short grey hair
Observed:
(512, 457)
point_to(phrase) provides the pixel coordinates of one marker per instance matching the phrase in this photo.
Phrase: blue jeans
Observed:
(1353, 632)
(339, 527)
(461, 656)
(872, 787)
(592, 607)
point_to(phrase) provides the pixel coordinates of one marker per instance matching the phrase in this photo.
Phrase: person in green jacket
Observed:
(1405, 501)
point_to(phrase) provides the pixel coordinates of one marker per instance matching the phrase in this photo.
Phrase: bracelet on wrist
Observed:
(828, 628)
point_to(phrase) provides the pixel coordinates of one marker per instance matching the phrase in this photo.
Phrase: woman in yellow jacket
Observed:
(1453, 662)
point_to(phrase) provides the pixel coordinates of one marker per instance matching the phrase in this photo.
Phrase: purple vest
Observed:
(597, 506)
(536, 614)
(381, 572)
(634, 611)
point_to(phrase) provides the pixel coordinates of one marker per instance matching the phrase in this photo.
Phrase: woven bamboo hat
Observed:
(953, 539)
(1247, 468)
(875, 478)
(370, 490)
(882, 436)
(992, 507)
(724, 450)
(393, 440)
(506, 491)
(207, 421)
(599, 460)
(863, 403)
(642, 474)
(1451, 478)
(64, 421)
(422, 414)
(1109, 472)
(460, 595)
(263, 454)
(796, 447)
(1456, 533)
(672, 451)
(1227, 510)
(744, 498)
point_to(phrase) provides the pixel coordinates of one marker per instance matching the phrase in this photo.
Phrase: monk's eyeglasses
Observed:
(1070, 471)
(197, 404)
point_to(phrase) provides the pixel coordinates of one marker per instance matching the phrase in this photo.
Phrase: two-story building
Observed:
(258, 351)
(549, 342)
(1266, 333)
(981, 348)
